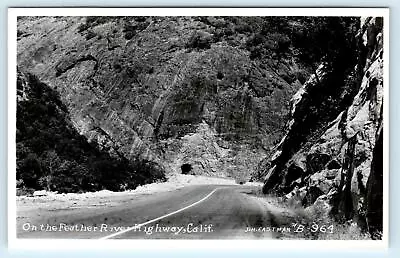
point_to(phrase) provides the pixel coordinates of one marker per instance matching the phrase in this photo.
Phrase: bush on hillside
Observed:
(52, 155)
(200, 40)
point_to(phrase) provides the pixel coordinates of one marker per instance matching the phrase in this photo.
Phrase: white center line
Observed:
(159, 218)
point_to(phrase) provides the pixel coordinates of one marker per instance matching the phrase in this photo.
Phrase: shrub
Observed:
(82, 27)
(20, 33)
(29, 170)
(129, 31)
(200, 40)
(117, 67)
(52, 155)
(92, 21)
(25, 191)
(243, 28)
(90, 34)
(140, 18)
(149, 171)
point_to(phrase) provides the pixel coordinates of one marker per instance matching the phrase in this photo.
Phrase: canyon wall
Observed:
(337, 162)
(172, 90)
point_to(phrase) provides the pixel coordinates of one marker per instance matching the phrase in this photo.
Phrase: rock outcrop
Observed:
(148, 86)
(337, 160)
(52, 155)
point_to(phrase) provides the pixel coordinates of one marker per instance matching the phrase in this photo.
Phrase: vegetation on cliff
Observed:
(329, 154)
(52, 155)
(138, 85)
(209, 93)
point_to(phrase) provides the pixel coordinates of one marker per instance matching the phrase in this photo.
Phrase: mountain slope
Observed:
(337, 159)
(137, 85)
(52, 155)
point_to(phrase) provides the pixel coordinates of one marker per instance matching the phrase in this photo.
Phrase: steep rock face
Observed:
(339, 162)
(133, 83)
(209, 154)
(374, 191)
(52, 155)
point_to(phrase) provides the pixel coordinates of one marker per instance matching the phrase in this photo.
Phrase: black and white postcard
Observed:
(198, 123)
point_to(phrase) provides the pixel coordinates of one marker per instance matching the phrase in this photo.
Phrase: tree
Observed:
(29, 170)
(50, 162)
(327, 40)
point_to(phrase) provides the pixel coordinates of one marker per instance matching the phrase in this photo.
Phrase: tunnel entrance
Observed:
(186, 168)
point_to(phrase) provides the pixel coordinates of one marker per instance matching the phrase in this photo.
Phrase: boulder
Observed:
(311, 196)
(316, 162)
(333, 164)
(293, 173)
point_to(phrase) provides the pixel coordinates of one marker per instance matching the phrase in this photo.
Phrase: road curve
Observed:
(193, 212)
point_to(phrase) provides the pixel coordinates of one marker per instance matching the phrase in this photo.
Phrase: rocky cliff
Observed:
(173, 90)
(209, 95)
(332, 154)
(52, 155)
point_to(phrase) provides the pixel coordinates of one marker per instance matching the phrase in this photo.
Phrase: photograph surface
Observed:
(198, 125)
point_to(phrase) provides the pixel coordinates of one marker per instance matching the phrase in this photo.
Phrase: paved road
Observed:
(195, 212)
